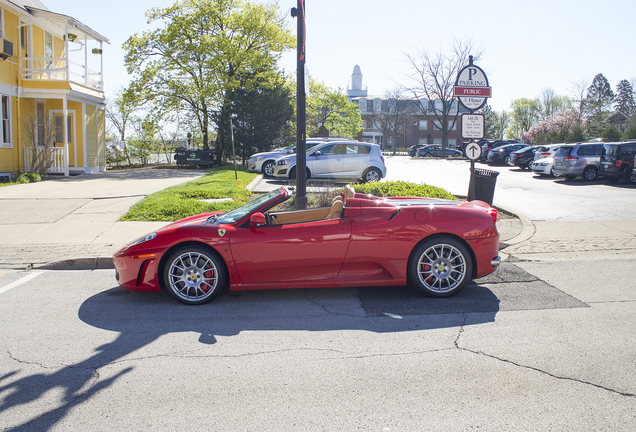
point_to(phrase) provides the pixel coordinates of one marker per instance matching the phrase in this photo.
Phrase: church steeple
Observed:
(356, 90)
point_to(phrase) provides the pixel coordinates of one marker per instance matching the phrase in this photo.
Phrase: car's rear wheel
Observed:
(590, 173)
(194, 274)
(428, 155)
(440, 267)
(268, 169)
(372, 175)
(456, 155)
(631, 176)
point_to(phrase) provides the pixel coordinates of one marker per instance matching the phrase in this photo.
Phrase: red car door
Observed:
(294, 252)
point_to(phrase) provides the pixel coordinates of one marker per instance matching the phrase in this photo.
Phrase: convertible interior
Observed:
(315, 214)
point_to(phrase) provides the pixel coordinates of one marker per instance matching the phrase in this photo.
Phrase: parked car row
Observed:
(327, 158)
(588, 160)
(433, 150)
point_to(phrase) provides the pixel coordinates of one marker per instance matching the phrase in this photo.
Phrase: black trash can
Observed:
(482, 186)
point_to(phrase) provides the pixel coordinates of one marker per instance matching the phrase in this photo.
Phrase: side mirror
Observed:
(317, 153)
(257, 219)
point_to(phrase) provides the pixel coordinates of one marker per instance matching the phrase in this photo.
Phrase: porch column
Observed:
(65, 134)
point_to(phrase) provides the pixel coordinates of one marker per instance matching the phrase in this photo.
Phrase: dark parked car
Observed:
(435, 150)
(489, 145)
(413, 150)
(499, 155)
(617, 161)
(522, 158)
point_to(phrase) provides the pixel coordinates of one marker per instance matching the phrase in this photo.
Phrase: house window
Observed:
(39, 124)
(59, 129)
(23, 37)
(451, 126)
(423, 125)
(48, 49)
(6, 121)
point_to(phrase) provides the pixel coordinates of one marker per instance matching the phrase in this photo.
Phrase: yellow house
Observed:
(51, 69)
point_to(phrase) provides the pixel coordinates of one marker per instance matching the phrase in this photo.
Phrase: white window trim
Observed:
(10, 109)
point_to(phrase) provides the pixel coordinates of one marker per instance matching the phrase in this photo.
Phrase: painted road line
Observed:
(20, 281)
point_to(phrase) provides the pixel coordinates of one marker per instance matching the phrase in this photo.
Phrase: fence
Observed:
(57, 155)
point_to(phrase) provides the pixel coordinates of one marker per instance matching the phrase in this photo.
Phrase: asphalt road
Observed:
(539, 198)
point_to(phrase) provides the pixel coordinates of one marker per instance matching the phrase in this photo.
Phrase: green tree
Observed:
(525, 113)
(496, 123)
(332, 110)
(630, 132)
(197, 58)
(263, 114)
(625, 105)
(611, 133)
(120, 113)
(598, 103)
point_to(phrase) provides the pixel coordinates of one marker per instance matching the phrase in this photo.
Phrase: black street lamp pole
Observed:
(301, 138)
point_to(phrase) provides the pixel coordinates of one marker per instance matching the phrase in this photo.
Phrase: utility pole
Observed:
(301, 119)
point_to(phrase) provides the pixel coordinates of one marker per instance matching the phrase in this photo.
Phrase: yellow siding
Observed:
(91, 136)
(9, 71)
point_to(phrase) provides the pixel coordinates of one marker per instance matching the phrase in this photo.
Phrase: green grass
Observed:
(181, 201)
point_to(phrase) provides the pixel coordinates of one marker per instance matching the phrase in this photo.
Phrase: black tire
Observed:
(456, 155)
(372, 175)
(590, 173)
(569, 177)
(631, 176)
(292, 174)
(268, 169)
(428, 155)
(440, 267)
(194, 274)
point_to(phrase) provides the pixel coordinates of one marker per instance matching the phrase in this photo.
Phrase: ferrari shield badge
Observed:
(221, 232)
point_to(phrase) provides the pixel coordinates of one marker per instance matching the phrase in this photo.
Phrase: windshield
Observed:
(239, 213)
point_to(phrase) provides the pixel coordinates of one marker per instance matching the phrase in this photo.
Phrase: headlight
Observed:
(141, 240)
(283, 162)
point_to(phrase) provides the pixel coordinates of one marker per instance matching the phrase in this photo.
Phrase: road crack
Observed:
(533, 368)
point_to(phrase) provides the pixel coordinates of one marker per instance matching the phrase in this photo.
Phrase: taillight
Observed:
(619, 163)
(545, 155)
(568, 157)
(382, 157)
(493, 213)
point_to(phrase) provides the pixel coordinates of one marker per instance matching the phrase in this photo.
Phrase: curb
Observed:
(99, 263)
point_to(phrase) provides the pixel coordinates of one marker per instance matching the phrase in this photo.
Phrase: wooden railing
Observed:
(56, 158)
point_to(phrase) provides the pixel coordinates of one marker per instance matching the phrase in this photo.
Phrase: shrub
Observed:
(402, 188)
(29, 177)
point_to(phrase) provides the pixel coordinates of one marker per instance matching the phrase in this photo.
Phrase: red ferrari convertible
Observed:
(361, 240)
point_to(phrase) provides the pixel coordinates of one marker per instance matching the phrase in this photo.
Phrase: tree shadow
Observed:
(142, 318)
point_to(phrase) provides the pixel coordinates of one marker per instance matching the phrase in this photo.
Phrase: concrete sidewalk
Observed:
(72, 222)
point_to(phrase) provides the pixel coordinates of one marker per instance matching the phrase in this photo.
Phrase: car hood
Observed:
(275, 154)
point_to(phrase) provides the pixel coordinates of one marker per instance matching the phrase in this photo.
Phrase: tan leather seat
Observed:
(349, 192)
(336, 210)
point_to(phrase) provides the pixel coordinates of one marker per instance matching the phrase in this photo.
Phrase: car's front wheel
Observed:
(194, 274)
(440, 267)
(372, 175)
(268, 169)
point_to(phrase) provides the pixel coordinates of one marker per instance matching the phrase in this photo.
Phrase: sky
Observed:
(527, 46)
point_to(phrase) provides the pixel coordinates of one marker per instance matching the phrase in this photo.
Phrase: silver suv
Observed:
(338, 160)
(578, 160)
(264, 162)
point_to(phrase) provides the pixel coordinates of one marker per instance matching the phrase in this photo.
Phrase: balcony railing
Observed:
(56, 69)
